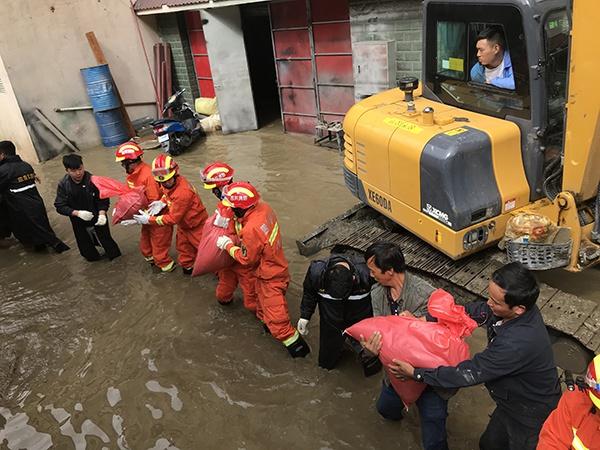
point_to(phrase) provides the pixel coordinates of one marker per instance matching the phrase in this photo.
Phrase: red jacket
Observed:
(142, 176)
(574, 424)
(260, 243)
(184, 207)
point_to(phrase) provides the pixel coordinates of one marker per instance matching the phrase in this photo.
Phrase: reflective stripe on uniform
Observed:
(352, 297)
(169, 267)
(232, 250)
(289, 341)
(159, 220)
(274, 233)
(577, 444)
(149, 258)
(238, 228)
(24, 188)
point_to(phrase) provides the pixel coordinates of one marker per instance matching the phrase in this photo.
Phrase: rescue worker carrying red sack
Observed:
(184, 209)
(261, 248)
(155, 241)
(575, 423)
(215, 177)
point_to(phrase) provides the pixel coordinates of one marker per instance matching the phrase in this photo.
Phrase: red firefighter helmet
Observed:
(128, 150)
(216, 175)
(164, 167)
(592, 379)
(240, 195)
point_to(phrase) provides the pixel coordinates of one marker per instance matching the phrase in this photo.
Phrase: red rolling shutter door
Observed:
(313, 54)
(200, 54)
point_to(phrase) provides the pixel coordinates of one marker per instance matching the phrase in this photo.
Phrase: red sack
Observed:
(210, 258)
(421, 344)
(131, 200)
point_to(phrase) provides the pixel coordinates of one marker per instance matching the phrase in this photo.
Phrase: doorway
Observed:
(261, 62)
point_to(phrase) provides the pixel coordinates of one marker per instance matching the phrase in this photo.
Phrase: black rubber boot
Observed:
(187, 271)
(299, 348)
(61, 247)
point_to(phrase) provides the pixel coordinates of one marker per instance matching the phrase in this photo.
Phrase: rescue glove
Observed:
(85, 215)
(302, 326)
(143, 218)
(128, 222)
(220, 221)
(223, 242)
(101, 220)
(155, 207)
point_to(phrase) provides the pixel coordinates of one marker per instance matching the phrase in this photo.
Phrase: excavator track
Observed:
(574, 322)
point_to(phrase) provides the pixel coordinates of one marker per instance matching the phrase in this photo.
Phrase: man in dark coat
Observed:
(22, 203)
(517, 367)
(340, 286)
(78, 199)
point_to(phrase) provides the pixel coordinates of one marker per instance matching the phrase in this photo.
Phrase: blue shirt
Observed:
(506, 81)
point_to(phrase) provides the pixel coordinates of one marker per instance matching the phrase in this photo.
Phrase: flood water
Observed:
(111, 355)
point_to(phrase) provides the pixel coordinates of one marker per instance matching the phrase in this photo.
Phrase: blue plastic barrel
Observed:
(99, 85)
(111, 127)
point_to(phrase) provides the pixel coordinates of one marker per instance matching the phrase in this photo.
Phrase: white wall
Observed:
(229, 67)
(43, 45)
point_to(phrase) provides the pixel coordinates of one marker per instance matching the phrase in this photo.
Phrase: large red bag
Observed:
(421, 344)
(210, 258)
(131, 200)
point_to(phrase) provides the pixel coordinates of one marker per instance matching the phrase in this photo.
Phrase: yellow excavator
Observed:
(452, 158)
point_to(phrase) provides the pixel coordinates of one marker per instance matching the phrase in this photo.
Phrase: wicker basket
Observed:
(542, 256)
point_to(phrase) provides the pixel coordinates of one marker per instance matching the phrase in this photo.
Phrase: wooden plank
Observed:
(55, 130)
(101, 59)
(96, 49)
(566, 312)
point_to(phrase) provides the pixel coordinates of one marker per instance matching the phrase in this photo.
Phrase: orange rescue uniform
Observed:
(184, 209)
(574, 424)
(155, 241)
(236, 273)
(261, 249)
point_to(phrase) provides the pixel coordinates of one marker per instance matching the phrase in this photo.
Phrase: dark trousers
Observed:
(505, 432)
(433, 411)
(88, 237)
(331, 345)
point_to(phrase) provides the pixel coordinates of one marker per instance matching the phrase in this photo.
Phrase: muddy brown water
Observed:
(112, 355)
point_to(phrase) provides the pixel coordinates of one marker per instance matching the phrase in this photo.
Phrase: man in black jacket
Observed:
(341, 287)
(25, 211)
(78, 199)
(517, 366)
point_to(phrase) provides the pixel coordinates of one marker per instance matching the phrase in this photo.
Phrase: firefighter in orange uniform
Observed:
(215, 177)
(183, 208)
(261, 248)
(155, 241)
(575, 423)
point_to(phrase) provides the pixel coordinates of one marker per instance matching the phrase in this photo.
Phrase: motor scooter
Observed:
(178, 133)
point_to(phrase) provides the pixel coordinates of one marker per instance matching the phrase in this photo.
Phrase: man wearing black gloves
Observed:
(78, 199)
(25, 211)
(340, 286)
(517, 366)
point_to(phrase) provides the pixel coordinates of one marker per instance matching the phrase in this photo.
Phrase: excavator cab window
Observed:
(451, 55)
(556, 40)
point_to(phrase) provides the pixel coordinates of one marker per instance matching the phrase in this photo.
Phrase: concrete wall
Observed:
(229, 66)
(399, 20)
(12, 125)
(173, 30)
(44, 46)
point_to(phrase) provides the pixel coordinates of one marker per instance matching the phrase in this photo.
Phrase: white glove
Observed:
(143, 218)
(155, 207)
(85, 215)
(302, 326)
(223, 242)
(128, 222)
(220, 221)
(101, 220)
